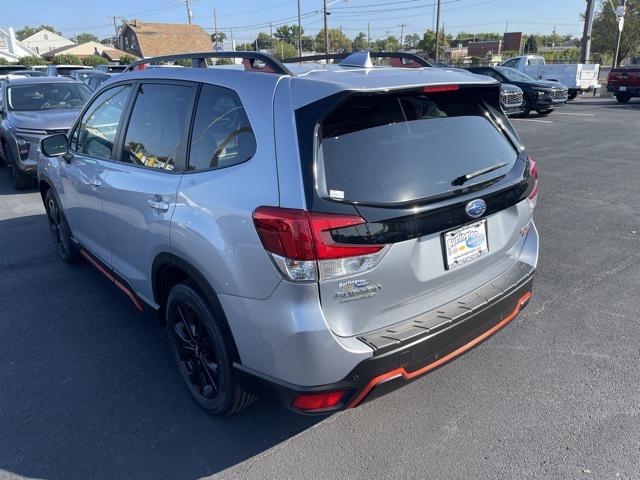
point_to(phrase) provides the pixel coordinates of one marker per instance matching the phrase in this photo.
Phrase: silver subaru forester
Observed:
(314, 233)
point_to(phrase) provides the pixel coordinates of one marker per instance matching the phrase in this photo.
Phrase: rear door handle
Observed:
(158, 204)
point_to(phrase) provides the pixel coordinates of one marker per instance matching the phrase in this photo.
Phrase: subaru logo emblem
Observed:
(475, 208)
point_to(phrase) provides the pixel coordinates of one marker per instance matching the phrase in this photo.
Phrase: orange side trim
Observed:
(409, 375)
(102, 270)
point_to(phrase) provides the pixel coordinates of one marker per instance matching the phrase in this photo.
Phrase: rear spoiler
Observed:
(252, 61)
(363, 59)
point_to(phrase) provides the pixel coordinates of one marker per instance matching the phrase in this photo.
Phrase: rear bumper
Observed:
(445, 335)
(633, 91)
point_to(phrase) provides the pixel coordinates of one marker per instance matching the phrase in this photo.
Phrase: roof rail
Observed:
(271, 64)
(406, 60)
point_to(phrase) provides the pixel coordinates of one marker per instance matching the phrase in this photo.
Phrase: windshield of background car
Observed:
(46, 96)
(407, 146)
(514, 75)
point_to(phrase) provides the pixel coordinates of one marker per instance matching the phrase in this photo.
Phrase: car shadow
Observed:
(6, 183)
(88, 388)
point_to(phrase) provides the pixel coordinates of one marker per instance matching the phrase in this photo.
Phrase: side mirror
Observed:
(55, 146)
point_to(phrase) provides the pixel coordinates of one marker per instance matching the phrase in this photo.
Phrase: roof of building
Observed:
(113, 54)
(82, 50)
(156, 39)
(53, 36)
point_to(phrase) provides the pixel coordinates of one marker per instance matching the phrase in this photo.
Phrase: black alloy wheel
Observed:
(60, 229)
(202, 352)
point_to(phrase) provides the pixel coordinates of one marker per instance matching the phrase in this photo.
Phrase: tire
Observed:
(60, 229)
(572, 94)
(203, 352)
(526, 107)
(623, 97)
(545, 112)
(20, 180)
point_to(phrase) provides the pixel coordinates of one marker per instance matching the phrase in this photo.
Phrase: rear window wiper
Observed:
(462, 179)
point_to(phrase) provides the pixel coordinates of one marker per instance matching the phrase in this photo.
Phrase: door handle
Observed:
(95, 182)
(158, 204)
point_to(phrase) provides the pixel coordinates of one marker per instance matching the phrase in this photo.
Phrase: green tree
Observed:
(605, 30)
(3, 61)
(265, 42)
(221, 37)
(66, 59)
(411, 40)
(126, 59)
(360, 42)
(85, 37)
(288, 33)
(308, 43)
(338, 42)
(28, 31)
(94, 61)
(283, 50)
(30, 61)
(531, 45)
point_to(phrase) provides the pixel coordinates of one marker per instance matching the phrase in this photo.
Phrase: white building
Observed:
(44, 41)
(11, 49)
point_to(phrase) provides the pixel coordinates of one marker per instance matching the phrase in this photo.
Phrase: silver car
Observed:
(314, 233)
(30, 109)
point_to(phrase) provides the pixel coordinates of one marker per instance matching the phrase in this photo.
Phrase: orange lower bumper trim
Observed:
(410, 375)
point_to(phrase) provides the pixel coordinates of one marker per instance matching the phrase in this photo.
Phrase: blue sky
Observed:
(249, 17)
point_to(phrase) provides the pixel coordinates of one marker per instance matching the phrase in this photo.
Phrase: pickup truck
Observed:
(624, 82)
(577, 77)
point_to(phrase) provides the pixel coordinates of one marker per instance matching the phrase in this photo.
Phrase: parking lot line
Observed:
(532, 120)
(576, 114)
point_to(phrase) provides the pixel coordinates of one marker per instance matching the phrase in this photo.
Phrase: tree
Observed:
(308, 43)
(94, 61)
(338, 42)
(360, 42)
(428, 42)
(28, 31)
(126, 59)
(4, 61)
(221, 37)
(288, 33)
(85, 37)
(66, 59)
(411, 40)
(265, 42)
(388, 44)
(605, 30)
(283, 50)
(531, 45)
(30, 61)
(106, 41)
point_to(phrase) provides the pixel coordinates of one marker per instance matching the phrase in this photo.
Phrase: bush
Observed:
(126, 59)
(66, 59)
(94, 61)
(3, 61)
(31, 60)
(284, 50)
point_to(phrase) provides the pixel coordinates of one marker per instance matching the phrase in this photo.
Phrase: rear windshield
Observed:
(404, 147)
(65, 71)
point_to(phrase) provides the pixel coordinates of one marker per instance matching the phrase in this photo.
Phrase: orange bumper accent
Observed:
(410, 375)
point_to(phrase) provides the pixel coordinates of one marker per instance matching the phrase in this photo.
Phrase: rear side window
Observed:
(222, 135)
(409, 146)
(159, 123)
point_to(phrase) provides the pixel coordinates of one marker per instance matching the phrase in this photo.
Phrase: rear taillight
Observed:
(303, 249)
(440, 88)
(318, 401)
(533, 171)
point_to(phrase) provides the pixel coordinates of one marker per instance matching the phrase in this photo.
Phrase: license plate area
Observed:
(465, 244)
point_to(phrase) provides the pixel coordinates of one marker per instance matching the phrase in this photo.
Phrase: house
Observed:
(11, 49)
(113, 55)
(45, 40)
(81, 51)
(143, 39)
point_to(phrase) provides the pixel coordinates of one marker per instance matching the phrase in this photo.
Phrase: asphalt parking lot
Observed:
(88, 388)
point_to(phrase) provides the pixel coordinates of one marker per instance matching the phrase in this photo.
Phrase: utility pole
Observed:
(620, 11)
(340, 40)
(585, 51)
(215, 25)
(437, 30)
(368, 36)
(115, 29)
(233, 43)
(326, 33)
(402, 25)
(299, 32)
(188, 10)
(271, 32)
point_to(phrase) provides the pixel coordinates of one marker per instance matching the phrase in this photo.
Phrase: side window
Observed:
(492, 74)
(222, 135)
(158, 126)
(513, 63)
(95, 134)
